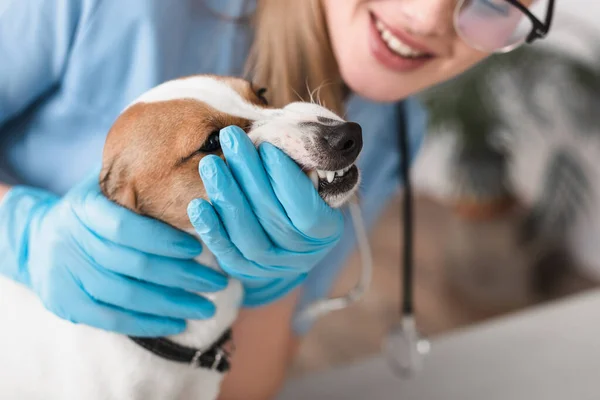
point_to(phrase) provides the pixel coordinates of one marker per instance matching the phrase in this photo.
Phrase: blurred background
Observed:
(507, 197)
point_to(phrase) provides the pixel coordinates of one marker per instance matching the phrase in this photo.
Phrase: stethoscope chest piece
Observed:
(405, 349)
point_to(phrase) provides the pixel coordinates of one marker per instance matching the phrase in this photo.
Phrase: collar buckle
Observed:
(195, 362)
(218, 356)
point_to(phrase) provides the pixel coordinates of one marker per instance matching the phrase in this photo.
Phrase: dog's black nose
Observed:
(345, 139)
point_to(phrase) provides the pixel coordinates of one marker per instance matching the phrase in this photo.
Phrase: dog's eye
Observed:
(261, 95)
(212, 144)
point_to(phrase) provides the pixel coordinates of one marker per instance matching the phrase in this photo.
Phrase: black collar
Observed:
(216, 357)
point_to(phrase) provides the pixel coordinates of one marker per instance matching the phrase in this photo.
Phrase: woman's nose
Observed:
(428, 17)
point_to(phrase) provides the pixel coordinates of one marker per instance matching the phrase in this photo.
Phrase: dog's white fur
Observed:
(45, 357)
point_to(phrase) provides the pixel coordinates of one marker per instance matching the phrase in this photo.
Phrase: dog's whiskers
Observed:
(165, 209)
(297, 94)
(310, 93)
(317, 91)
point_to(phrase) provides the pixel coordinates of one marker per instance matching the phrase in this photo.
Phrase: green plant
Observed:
(507, 95)
(465, 107)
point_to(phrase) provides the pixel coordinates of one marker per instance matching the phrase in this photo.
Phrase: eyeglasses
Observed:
(498, 26)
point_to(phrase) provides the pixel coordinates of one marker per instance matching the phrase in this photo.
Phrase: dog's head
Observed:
(151, 154)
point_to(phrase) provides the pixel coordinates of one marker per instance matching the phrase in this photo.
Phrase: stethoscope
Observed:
(404, 348)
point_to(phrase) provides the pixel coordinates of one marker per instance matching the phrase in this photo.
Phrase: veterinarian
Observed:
(69, 67)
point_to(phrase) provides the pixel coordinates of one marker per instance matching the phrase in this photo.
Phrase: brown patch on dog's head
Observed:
(245, 88)
(151, 154)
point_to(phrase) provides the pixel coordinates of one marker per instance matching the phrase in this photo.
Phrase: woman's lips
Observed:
(390, 59)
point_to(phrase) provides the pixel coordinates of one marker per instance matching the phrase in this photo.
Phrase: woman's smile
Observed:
(394, 50)
(388, 50)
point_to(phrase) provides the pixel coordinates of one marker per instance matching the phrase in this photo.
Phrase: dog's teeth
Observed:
(330, 176)
(314, 177)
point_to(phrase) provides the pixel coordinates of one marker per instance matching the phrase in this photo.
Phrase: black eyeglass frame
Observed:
(539, 29)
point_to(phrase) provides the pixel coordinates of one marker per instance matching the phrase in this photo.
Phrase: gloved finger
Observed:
(122, 226)
(125, 322)
(143, 297)
(67, 300)
(247, 169)
(248, 239)
(171, 272)
(306, 209)
(233, 209)
(206, 222)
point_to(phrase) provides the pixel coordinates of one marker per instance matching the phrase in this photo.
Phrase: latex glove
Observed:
(93, 262)
(266, 223)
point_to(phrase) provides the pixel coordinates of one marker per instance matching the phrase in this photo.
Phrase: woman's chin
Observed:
(378, 90)
(376, 85)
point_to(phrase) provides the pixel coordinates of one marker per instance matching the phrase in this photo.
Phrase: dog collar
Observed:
(216, 357)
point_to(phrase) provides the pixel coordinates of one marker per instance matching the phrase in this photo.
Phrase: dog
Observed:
(150, 166)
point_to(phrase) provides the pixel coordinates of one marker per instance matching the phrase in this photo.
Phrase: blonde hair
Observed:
(292, 56)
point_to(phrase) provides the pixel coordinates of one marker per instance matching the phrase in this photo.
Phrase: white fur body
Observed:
(45, 357)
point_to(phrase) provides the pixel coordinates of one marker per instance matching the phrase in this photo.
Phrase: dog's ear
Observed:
(261, 95)
(117, 187)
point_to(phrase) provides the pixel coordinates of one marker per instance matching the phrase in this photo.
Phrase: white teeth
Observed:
(314, 177)
(330, 176)
(395, 44)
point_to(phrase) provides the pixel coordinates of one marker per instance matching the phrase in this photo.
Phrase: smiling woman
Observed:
(389, 49)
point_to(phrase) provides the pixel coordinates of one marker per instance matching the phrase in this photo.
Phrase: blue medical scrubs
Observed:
(68, 67)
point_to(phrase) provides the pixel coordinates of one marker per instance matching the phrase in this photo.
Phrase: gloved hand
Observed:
(267, 225)
(93, 262)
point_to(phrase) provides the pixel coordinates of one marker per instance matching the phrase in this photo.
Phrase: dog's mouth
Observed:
(325, 148)
(335, 187)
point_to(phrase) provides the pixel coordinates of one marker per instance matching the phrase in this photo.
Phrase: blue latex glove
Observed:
(267, 225)
(93, 262)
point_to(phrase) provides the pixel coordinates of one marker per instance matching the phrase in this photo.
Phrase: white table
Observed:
(551, 352)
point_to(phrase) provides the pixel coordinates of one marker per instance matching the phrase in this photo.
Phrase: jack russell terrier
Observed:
(150, 165)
